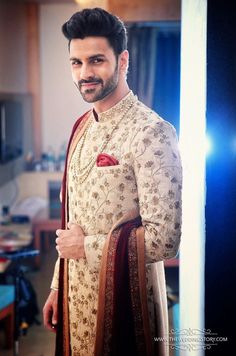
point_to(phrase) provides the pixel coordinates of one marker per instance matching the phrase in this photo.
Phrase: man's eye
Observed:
(97, 60)
(75, 63)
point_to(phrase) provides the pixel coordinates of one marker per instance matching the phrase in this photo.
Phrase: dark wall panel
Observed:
(221, 174)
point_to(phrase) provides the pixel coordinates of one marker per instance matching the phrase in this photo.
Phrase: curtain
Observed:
(154, 69)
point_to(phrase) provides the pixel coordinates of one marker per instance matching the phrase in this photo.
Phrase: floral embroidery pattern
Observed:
(147, 179)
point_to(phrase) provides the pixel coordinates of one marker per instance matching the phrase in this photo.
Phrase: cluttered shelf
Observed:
(13, 237)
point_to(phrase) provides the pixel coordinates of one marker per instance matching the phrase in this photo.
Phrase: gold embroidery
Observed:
(108, 192)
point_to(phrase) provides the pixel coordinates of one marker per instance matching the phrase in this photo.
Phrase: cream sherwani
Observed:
(146, 180)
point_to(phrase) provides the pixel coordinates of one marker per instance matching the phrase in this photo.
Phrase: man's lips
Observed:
(89, 85)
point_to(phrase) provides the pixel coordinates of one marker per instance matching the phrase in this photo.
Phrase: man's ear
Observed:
(124, 61)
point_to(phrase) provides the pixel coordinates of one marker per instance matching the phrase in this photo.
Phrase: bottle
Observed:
(51, 160)
(62, 157)
(44, 161)
(6, 218)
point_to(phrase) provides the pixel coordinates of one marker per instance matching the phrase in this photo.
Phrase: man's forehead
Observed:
(90, 45)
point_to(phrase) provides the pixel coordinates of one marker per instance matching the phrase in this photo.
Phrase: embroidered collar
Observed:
(117, 109)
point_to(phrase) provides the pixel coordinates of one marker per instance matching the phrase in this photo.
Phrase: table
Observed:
(43, 224)
(14, 237)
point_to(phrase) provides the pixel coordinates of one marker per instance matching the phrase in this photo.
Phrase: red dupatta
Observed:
(122, 319)
(62, 336)
(122, 316)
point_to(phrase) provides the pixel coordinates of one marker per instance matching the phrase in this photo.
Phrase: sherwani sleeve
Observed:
(55, 278)
(93, 246)
(158, 174)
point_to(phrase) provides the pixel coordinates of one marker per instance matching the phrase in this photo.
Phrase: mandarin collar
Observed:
(117, 109)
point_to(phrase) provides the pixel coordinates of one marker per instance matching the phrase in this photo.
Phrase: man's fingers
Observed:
(47, 319)
(50, 311)
(62, 233)
(72, 226)
(54, 317)
(58, 232)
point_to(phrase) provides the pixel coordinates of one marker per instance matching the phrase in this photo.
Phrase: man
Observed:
(121, 200)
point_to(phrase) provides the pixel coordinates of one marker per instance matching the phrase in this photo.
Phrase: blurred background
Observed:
(39, 105)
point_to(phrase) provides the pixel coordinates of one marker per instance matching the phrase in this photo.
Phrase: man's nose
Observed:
(86, 72)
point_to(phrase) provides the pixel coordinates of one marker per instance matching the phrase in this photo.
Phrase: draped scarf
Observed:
(122, 317)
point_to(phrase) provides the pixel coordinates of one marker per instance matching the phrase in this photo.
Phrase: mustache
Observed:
(89, 81)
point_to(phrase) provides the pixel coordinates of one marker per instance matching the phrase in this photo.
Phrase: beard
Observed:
(101, 90)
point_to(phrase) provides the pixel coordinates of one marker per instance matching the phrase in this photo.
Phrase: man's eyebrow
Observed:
(99, 55)
(74, 59)
(96, 56)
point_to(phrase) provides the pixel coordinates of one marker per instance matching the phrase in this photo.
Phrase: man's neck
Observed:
(109, 101)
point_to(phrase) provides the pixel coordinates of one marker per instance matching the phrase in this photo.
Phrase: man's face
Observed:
(94, 67)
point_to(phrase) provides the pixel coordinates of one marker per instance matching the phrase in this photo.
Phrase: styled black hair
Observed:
(100, 23)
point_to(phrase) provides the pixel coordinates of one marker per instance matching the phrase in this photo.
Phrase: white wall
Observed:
(61, 101)
(13, 61)
(193, 153)
(13, 78)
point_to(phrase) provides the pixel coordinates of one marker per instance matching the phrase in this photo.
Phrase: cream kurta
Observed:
(147, 179)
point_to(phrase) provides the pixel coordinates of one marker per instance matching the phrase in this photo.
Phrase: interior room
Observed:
(182, 59)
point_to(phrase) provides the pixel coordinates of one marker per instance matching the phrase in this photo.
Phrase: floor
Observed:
(38, 341)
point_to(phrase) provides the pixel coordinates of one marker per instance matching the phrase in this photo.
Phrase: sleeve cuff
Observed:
(55, 279)
(93, 247)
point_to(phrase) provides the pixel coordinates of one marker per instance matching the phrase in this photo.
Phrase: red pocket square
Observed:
(104, 159)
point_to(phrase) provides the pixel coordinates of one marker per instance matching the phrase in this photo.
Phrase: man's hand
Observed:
(50, 311)
(70, 243)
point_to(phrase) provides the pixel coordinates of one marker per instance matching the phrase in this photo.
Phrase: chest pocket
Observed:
(115, 175)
